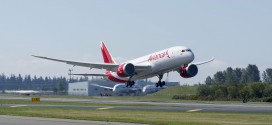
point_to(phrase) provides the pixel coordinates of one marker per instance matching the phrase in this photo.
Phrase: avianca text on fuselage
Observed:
(158, 56)
(178, 58)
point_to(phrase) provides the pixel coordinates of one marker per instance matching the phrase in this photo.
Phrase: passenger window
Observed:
(183, 51)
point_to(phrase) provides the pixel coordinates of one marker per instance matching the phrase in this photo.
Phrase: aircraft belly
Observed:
(161, 67)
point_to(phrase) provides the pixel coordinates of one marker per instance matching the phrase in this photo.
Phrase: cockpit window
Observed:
(187, 50)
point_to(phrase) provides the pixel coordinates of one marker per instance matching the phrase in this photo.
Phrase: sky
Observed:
(235, 32)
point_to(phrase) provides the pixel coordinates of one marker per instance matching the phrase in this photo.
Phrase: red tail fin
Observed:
(106, 55)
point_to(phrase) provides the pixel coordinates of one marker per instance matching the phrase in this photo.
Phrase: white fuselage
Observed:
(152, 89)
(171, 59)
(121, 88)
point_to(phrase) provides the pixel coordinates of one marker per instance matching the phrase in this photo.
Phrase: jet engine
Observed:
(188, 71)
(125, 70)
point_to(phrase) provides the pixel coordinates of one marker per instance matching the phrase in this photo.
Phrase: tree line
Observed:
(249, 74)
(236, 84)
(28, 82)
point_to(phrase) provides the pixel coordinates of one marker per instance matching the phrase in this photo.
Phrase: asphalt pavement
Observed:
(20, 120)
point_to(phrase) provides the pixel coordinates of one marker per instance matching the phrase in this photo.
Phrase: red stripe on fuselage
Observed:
(114, 79)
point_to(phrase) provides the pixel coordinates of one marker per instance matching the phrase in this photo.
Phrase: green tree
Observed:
(204, 90)
(268, 91)
(244, 76)
(219, 78)
(267, 76)
(229, 75)
(253, 73)
(223, 88)
(257, 90)
(208, 80)
(233, 92)
(219, 93)
(237, 75)
(245, 92)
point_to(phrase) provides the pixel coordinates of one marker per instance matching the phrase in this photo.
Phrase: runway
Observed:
(19, 120)
(151, 106)
(188, 107)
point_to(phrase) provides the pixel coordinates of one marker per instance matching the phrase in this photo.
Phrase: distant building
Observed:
(87, 89)
(78, 89)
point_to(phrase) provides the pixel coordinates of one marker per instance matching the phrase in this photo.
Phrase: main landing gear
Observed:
(130, 83)
(160, 83)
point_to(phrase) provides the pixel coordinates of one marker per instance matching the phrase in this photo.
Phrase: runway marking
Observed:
(15, 106)
(106, 108)
(194, 110)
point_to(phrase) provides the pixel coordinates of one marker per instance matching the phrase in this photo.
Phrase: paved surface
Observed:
(185, 107)
(155, 106)
(18, 120)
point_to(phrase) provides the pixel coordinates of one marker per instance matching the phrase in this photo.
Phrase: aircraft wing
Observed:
(107, 66)
(106, 87)
(204, 62)
(90, 75)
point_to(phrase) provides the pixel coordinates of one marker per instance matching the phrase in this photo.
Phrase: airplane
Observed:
(121, 88)
(22, 92)
(178, 58)
(152, 89)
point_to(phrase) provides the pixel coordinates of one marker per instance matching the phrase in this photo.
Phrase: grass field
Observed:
(149, 117)
(176, 90)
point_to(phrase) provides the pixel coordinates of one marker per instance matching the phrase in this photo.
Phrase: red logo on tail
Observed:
(106, 54)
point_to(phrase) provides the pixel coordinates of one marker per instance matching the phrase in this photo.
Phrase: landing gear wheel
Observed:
(130, 84)
(163, 83)
(160, 83)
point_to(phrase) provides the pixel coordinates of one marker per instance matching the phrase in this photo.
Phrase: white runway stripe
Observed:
(194, 110)
(105, 108)
(18, 106)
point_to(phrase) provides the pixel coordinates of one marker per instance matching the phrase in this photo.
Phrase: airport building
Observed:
(90, 88)
(87, 88)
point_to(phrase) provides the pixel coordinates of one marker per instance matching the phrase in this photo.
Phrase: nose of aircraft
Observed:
(192, 56)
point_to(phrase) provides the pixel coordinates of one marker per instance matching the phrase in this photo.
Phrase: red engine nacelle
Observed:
(125, 70)
(189, 71)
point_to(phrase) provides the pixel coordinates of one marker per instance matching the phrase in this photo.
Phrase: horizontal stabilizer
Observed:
(103, 75)
(106, 87)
